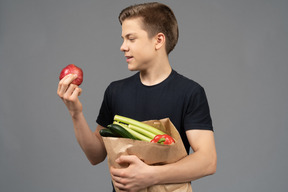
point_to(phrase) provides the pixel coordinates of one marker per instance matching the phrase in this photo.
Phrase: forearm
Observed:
(192, 167)
(90, 143)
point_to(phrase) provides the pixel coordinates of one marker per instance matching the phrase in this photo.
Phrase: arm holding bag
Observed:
(150, 153)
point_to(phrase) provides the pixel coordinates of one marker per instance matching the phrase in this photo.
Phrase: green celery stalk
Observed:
(139, 124)
(134, 133)
(142, 131)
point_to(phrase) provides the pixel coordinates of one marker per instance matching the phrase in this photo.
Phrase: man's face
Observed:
(139, 50)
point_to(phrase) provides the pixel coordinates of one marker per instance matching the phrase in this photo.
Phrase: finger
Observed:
(130, 159)
(70, 90)
(121, 187)
(69, 78)
(64, 78)
(120, 183)
(115, 172)
(60, 90)
(77, 92)
(64, 83)
(119, 180)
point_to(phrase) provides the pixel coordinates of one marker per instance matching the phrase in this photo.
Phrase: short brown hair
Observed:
(157, 18)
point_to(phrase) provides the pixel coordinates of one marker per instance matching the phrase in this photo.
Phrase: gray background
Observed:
(236, 49)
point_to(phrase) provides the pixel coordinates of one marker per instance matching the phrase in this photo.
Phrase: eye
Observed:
(132, 38)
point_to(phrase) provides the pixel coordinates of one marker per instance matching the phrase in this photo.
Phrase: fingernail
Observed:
(75, 75)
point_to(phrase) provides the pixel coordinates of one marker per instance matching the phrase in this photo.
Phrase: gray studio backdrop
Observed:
(236, 49)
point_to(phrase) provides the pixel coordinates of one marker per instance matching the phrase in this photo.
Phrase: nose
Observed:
(124, 47)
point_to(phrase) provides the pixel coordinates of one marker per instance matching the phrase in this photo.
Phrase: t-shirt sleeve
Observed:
(105, 116)
(197, 115)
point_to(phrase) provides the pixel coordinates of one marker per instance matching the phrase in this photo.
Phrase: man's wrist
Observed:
(76, 115)
(157, 174)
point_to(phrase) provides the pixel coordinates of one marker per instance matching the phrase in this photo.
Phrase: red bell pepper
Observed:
(163, 139)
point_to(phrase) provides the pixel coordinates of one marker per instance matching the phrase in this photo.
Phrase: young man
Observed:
(149, 32)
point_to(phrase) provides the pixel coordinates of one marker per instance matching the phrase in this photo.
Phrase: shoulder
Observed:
(124, 81)
(186, 83)
(122, 84)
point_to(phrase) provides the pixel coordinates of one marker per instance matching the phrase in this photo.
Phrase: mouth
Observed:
(129, 58)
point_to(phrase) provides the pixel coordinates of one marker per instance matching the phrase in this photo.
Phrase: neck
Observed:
(157, 73)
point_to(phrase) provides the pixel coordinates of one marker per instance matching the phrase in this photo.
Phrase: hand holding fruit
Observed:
(70, 78)
(72, 69)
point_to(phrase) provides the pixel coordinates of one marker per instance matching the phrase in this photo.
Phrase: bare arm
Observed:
(90, 142)
(201, 163)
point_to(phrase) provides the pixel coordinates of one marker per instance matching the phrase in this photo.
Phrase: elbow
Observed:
(96, 159)
(96, 162)
(213, 169)
(212, 166)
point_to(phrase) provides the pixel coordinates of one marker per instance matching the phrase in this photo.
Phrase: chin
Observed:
(131, 68)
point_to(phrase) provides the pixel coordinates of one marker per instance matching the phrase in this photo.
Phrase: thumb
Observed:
(130, 159)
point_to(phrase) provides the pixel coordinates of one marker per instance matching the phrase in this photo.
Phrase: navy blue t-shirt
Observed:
(181, 99)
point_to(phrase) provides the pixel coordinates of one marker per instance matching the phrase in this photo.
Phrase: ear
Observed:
(160, 41)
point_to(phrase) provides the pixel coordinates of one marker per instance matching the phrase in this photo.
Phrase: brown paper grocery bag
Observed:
(150, 153)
